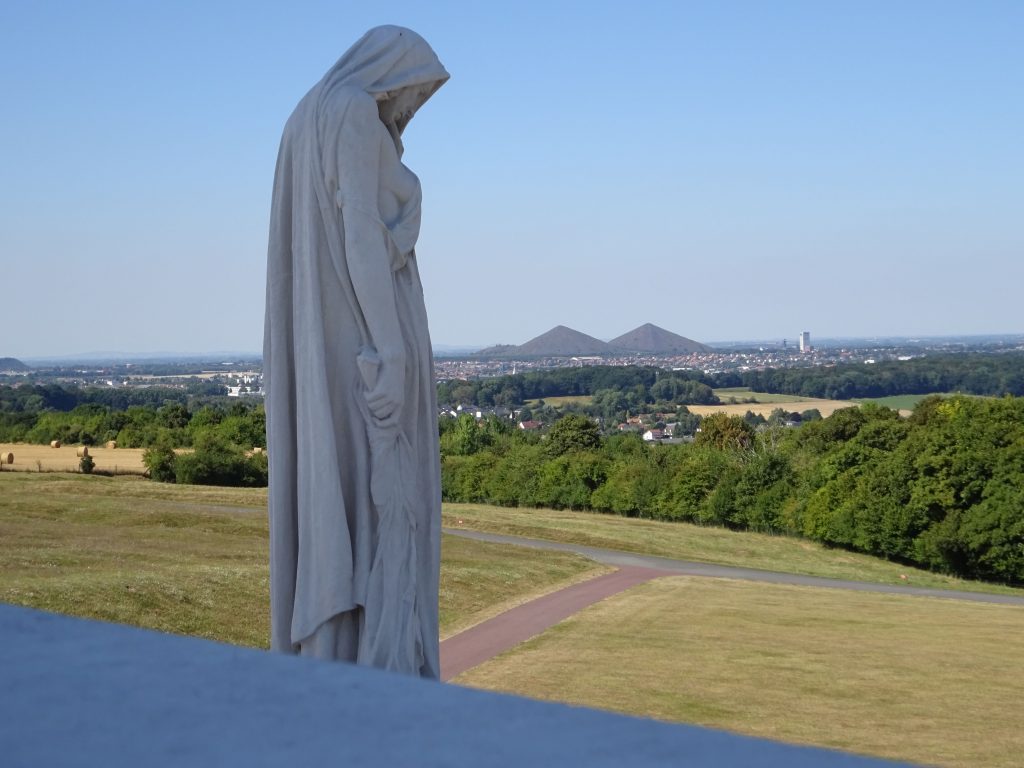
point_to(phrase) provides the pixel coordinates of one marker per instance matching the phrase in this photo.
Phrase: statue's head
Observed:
(400, 105)
(394, 65)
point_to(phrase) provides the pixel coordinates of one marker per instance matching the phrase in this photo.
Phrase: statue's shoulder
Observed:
(352, 101)
(343, 110)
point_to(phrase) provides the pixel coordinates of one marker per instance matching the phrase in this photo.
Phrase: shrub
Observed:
(216, 462)
(161, 462)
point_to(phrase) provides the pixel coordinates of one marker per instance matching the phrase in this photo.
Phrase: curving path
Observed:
(489, 638)
(691, 568)
(501, 633)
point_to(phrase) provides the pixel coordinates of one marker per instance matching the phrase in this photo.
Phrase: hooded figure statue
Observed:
(355, 496)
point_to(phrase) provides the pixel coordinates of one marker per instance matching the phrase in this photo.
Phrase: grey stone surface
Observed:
(85, 693)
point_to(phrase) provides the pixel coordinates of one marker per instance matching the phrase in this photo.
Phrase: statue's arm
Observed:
(366, 247)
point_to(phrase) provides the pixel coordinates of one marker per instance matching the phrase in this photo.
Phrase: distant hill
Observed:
(654, 340)
(498, 350)
(11, 365)
(563, 341)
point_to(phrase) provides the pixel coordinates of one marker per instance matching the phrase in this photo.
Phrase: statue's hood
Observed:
(388, 58)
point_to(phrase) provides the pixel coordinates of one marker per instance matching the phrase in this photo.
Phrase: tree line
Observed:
(943, 489)
(973, 373)
(614, 391)
(224, 437)
(133, 418)
(992, 375)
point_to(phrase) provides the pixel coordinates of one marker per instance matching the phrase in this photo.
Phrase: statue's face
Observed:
(398, 107)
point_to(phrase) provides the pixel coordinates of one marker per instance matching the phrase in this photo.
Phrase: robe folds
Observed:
(354, 501)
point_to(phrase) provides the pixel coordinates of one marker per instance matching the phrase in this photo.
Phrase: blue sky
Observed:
(723, 169)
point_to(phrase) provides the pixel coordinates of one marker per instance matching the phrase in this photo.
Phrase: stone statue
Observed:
(355, 497)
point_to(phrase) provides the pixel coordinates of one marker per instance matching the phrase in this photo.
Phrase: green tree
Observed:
(686, 423)
(571, 433)
(465, 437)
(695, 475)
(160, 460)
(214, 461)
(569, 481)
(725, 432)
(173, 416)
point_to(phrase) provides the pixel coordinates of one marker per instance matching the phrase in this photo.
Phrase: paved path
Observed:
(667, 565)
(505, 631)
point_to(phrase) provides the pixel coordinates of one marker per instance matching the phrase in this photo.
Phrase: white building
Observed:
(805, 341)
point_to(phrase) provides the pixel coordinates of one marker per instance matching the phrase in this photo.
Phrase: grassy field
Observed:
(36, 458)
(918, 679)
(901, 403)
(193, 559)
(692, 542)
(725, 394)
(936, 681)
(558, 402)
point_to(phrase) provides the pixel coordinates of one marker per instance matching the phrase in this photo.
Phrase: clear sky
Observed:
(725, 170)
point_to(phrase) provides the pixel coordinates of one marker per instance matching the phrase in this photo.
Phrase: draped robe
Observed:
(354, 500)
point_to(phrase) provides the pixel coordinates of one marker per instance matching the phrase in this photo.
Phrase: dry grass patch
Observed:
(789, 403)
(35, 458)
(704, 544)
(77, 545)
(919, 679)
(193, 559)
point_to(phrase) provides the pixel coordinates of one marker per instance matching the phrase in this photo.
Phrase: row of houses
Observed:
(664, 434)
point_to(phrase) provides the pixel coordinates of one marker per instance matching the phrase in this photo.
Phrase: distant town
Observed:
(561, 347)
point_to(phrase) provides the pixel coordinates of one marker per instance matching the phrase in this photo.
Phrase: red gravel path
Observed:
(487, 639)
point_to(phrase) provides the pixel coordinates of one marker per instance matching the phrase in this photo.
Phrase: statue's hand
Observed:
(386, 396)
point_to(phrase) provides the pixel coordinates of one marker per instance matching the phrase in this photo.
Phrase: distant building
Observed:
(805, 341)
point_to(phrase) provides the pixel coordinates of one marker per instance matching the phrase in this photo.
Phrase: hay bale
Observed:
(82, 452)
(7, 458)
(111, 444)
(55, 443)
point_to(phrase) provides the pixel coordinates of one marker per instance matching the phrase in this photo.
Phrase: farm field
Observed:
(741, 393)
(193, 559)
(36, 458)
(917, 679)
(704, 544)
(788, 402)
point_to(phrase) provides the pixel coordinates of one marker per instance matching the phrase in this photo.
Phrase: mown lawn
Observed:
(193, 559)
(705, 544)
(910, 678)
